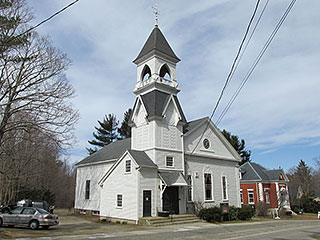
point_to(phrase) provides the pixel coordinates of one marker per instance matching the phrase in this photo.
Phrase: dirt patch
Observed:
(70, 224)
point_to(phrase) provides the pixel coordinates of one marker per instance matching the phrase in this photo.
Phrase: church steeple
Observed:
(156, 44)
(156, 65)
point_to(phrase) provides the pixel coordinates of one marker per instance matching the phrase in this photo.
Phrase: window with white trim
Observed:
(250, 196)
(128, 166)
(224, 188)
(87, 190)
(189, 181)
(119, 200)
(267, 194)
(169, 161)
(208, 186)
(241, 196)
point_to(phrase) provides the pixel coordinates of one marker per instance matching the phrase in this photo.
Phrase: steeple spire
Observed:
(156, 43)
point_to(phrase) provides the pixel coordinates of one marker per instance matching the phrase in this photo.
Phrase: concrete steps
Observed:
(172, 219)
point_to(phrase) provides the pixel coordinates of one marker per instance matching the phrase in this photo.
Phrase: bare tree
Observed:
(32, 80)
(37, 117)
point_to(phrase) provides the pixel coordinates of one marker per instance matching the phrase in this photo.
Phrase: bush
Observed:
(233, 212)
(261, 209)
(246, 212)
(212, 214)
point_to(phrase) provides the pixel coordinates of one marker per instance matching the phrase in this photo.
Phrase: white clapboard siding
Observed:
(94, 173)
(197, 166)
(148, 180)
(120, 182)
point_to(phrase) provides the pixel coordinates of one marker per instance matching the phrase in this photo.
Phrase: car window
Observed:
(17, 210)
(42, 211)
(28, 211)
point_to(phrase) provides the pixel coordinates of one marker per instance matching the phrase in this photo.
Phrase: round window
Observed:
(206, 143)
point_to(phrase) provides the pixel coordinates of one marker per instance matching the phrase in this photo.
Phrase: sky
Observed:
(277, 112)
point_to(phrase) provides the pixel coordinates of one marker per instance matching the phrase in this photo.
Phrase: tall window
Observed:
(119, 200)
(250, 196)
(224, 188)
(189, 181)
(128, 166)
(169, 161)
(267, 193)
(241, 196)
(208, 186)
(87, 192)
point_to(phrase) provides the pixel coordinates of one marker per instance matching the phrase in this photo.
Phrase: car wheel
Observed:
(1, 222)
(11, 226)
(34, 224)
(45, 227)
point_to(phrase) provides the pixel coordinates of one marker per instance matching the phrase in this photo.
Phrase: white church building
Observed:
(169, 164)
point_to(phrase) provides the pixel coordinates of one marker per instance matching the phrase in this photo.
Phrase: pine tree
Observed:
(303, 177)
(106, 133)
(125, 129)
(238, 145)
(13, 16)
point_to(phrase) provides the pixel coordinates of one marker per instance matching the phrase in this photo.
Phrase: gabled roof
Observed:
(157, 42)
(173, 178)
(155, 102)
(142, 159)
(254, 171)
(139, 157)
(193, 124)
(112, 151)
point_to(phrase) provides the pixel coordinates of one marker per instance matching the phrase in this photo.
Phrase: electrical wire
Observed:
(255, 63)
(230, 72)
(47, 19)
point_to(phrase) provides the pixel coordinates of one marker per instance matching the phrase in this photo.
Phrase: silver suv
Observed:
(29, 216)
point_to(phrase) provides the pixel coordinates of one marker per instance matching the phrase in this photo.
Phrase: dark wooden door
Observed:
(170, 200)
(147, 203)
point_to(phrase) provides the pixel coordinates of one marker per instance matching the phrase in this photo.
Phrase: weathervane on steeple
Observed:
(156, 13)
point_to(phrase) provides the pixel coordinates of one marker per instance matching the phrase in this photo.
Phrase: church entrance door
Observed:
(170, 200)
(146, 203)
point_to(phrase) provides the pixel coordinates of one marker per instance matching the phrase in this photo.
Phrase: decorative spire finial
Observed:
(156, 13)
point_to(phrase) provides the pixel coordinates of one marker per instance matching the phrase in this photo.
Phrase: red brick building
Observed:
(260, 184)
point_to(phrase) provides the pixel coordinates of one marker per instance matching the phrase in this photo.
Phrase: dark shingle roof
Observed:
(157, 42)
(193, 124)
(112, 151)
(254, 171)
(155, 102)
(173, 178)
(142, 159)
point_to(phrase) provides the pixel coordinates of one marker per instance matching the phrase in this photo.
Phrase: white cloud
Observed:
(278, 106)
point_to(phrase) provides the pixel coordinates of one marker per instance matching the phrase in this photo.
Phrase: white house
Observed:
(169, 164)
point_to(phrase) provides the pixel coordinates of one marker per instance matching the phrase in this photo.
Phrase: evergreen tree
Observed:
(13, 16)
(303, 177)
(106, 133)
(238, 145)
(125, 129)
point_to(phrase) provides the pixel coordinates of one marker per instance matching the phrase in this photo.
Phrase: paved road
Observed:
(277, 230)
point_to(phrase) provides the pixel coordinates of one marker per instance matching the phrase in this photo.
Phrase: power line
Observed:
(255, 63)
(231, 71)
(250, 37)
(48, 19)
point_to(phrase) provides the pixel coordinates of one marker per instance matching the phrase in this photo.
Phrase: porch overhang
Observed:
(173, 179)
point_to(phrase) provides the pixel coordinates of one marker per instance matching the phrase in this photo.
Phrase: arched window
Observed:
(146, 73)
(165, 72)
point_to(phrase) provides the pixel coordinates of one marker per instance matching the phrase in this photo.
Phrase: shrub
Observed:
(233, 212)
(212, 214)
(261, 209)
(245, 212)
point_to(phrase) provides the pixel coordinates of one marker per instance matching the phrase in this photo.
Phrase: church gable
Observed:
(171, 113)
(212, 144)
(139, 114)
